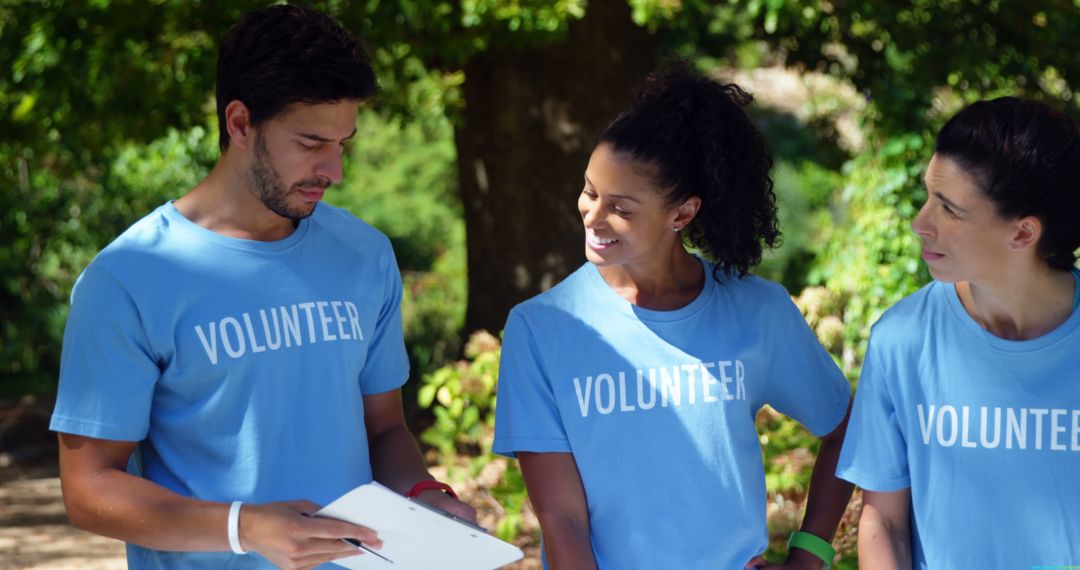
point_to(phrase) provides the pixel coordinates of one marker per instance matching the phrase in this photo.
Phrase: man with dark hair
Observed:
(241, 347)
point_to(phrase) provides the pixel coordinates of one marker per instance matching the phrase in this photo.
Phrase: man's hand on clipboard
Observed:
(456, 509)
(419, 530)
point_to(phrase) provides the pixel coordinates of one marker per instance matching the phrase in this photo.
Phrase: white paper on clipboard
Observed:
(414, 536)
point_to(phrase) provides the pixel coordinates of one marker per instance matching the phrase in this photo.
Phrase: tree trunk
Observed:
(531, 121)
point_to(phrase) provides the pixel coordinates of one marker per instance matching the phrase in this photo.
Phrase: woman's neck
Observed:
(1022, 305)
(661, 285)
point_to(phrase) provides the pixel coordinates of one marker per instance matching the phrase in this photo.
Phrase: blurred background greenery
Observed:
(470, 159)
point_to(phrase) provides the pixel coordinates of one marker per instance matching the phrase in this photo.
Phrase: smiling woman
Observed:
(649, 356)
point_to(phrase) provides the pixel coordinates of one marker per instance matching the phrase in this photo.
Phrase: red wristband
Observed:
(427, 485)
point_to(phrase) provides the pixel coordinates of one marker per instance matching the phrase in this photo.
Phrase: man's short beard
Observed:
(268, 187)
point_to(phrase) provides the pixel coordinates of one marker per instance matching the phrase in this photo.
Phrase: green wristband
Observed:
(814, 545)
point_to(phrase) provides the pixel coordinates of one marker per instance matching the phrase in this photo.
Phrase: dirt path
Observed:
(34, 532)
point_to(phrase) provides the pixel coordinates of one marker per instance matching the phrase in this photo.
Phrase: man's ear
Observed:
(1026, 232)
(238, 124)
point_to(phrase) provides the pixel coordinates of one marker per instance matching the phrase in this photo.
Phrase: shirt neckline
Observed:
(651, 315)
(1028, 345)
(178, 220)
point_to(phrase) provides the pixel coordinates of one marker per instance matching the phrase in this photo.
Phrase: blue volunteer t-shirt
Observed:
(658, 409)
(239, 365)
(984, 431)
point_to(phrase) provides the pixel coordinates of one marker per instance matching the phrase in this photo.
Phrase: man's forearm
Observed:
(128, 508)
(396, 460)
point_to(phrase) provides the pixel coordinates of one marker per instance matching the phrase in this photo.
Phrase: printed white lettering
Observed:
(640, 389)
(340, 319)
(740, 384)
(325, 320)
(583, 396)
(1016, 427)
(691, 379)
(670, 387)
(209, 345)
(1075, 445)
(623, 406)
(953, 431)
(606, 393)
(281, 328)
(997, 428)
(966, 421)
(307, 307)
(255, 346)
(236, 350)
(272, 342)
(955, 423)
(354, 319)
(1055, 429)
(600, 378)
(722, 367)
(291, 325)
(1039, 414)
(926, 422)
(707, 382)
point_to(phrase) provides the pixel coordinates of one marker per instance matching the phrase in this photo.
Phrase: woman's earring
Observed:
(676, 228)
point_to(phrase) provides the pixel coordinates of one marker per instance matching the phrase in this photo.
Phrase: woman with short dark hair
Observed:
(967, 418)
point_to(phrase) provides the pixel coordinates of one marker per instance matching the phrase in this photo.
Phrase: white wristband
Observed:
(234, 528)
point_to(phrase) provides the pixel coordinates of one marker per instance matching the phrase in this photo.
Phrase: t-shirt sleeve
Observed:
(874, 455)
(387, 365)
(526, 415)
(108, 370)
(805, 384)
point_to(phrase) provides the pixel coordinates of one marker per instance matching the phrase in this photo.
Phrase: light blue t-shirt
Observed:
(658, 410)
(984, 431)
(240, 366)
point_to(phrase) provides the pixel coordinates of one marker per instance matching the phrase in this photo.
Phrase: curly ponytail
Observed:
(695, 133)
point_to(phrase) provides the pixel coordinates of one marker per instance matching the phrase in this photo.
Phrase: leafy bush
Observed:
(53, 226)
(401, 178)
(462, 397)
(871, 258)
(465, 393)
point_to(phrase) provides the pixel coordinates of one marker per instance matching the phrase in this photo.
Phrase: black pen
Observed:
(365, 548)
(359, 545)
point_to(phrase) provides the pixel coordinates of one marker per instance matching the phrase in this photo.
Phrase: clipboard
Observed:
(414, 535)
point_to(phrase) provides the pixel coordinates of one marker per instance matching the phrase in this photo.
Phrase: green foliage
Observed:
(433, 308)
(904, 55)
(788, 451)
(56, 226)
(803, 191)
(465, 396)
(83, 75)
(872, 258)
(512, 495)
(462, 397)
(454, 31)
(80, 83)
(805, 175)
(401, 179)
(143, 176)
